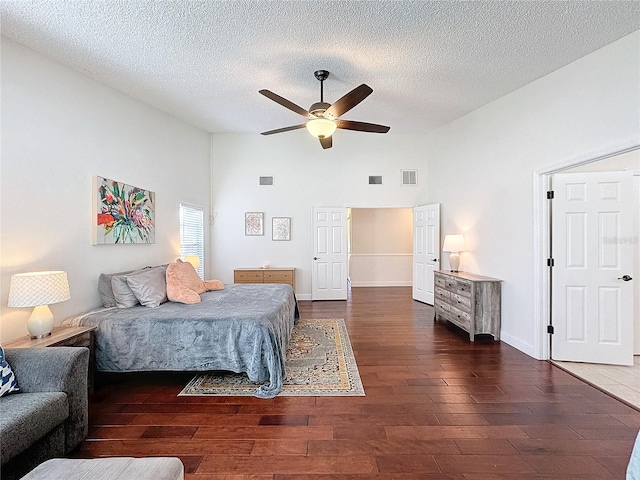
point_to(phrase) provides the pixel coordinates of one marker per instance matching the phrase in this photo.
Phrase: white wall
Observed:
(481, 166)
(305, 176)
(59, 128)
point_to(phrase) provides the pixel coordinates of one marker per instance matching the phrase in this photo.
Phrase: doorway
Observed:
(621, 381)
(380, 247)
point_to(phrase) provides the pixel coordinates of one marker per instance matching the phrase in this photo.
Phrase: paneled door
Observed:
(592, 247)
(426, 250)
(330, 257)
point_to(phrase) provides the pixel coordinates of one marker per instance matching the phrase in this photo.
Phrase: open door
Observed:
(592, 285)
(426, 250)
(330, 256)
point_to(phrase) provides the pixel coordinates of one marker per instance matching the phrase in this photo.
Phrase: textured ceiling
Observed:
(428, 62)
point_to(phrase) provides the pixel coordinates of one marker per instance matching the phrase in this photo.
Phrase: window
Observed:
(192, 234)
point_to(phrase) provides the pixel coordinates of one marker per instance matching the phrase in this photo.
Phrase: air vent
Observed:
(409, 178)
(375, 179)
(266, 180)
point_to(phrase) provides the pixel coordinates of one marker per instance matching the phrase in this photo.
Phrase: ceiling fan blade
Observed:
(285, 103)
(350, 100)
(285, 129)
(326, 142)
(362, 126)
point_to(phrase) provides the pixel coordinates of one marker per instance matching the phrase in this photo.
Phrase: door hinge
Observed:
(550, 195)
(550, 262)
(550, 329)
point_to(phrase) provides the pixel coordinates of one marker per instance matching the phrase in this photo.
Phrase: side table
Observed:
(64, 337)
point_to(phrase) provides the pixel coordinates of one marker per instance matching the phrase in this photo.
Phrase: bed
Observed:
(243, 328)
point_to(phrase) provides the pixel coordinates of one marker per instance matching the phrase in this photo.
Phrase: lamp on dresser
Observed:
(454, 244)
(38, 290)
(193, 260)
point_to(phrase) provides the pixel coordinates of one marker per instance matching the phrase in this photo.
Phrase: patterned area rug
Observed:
(320, 362)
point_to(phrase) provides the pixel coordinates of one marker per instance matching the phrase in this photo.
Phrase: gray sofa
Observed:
(49, 416)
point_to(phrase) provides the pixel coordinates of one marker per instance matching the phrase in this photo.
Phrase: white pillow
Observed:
(149, 286)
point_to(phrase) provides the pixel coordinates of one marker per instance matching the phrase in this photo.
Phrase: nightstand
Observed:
(64, 337)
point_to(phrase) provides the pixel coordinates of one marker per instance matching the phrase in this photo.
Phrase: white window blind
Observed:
(192, 234)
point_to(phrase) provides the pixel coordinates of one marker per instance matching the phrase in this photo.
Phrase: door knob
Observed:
(315, 258)
(434, 260)
(625, 278)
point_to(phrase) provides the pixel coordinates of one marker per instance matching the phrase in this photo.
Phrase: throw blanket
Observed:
(244, 328)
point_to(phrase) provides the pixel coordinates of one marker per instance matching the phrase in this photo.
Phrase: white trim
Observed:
(383, 283)
(516, 342)
(381, 254)
(540, 347)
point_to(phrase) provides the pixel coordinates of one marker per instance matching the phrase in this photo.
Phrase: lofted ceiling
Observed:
(428, 62)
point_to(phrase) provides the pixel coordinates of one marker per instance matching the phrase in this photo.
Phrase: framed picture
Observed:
(281, 228)
(122, 213)
(254, 223)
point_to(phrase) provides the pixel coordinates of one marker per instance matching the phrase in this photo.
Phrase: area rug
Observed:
(319, 362)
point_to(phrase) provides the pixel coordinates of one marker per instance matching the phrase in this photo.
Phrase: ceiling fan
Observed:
(323, 117)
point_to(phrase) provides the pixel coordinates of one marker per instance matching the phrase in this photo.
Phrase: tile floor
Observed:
(621, 381)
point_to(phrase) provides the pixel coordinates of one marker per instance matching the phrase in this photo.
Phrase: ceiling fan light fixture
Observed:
(321, 127)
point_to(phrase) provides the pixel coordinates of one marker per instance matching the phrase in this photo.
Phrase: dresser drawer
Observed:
(278, 277)
(462, 319)
(439, 281)
(250, 276)
(442, 306)
(463, 303)
(463, 287)
(440, 293)
(450, 284)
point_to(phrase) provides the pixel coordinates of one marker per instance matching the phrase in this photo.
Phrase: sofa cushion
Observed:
(8, 382)
(27, 417)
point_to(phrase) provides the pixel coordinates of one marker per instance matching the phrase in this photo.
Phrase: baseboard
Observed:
(383, 283)
(303, 296)
(519, 344)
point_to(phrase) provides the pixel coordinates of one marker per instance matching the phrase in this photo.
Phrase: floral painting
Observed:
(123, 213)
(281, 228)
(254, 223)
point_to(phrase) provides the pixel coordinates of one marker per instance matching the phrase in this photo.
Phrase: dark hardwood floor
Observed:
(436, 407)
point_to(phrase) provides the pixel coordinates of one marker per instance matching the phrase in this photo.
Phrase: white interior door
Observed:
(426, 250)
(592, 225)
(330, 258)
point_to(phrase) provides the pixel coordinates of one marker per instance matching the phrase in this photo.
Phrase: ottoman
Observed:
(120, 468)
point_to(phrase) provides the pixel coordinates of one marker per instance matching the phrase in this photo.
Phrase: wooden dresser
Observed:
(472, 302)
(266, 275)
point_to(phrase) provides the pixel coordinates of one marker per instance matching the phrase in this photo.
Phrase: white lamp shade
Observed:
(321, 127)
(193, 260)
(454, 243)
(38, 288)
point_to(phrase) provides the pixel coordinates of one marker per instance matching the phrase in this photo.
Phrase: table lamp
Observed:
(193, 260)
(39, 290)
(454, 244)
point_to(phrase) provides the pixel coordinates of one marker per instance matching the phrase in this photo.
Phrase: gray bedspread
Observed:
(243, 328)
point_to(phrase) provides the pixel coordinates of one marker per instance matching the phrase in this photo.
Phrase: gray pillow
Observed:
(149, 286)
(105, 289)
(122, 293)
